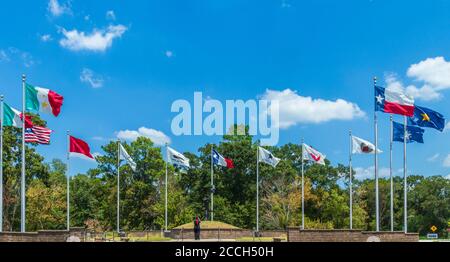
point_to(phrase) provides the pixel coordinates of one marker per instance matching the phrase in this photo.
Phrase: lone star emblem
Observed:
(425, 117)
(379, 99)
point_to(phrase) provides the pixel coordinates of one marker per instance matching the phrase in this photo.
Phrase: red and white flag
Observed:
(38, 135)
(79, 148)
(310, 153)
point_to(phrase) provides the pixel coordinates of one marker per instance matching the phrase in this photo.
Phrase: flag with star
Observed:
(43, 100)
(413, 133)
(425, 117)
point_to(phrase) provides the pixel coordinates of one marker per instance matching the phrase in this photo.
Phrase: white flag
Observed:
(310, 153)
(177, 159)
(361, 146)
(126, 156)
(267, 157)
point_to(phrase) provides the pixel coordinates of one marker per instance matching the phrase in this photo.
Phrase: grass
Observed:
(208, 225)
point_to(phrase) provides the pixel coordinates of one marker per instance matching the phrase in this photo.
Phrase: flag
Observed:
(425, 117)
(266, 157)
(43, 100)
(38, 135)
(218, 159)
(79, 148)
(13, 117)
(310, 153)
(389, 101)
(361, 146)
(413, 133)
(177, 159)
(124, 154)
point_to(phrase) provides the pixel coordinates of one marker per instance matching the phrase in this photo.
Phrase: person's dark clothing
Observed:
(197, 228)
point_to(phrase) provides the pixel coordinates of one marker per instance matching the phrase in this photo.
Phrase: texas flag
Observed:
(393, 102)
(218, 159)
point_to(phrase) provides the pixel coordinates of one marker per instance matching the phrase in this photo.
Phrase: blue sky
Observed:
(121, 65)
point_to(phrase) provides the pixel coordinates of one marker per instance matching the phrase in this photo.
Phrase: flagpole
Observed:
(377, 211)
(351, 181)
(257, 189)
(68, 182)
(303, 188)
(405, 182)
(1, 163)
(212, 184)
(390, 174)
(22, 187)
(118, 187)
(165, 183)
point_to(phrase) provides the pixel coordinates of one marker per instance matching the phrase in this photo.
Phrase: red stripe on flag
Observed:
(55, 101)
(398, 109)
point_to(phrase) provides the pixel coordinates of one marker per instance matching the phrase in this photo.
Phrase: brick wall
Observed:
(221, 233)
(42, 236)
(297, 235)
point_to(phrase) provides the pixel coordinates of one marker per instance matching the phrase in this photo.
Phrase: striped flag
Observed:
(38, 135)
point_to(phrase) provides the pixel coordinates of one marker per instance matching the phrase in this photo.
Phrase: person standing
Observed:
(197, 223)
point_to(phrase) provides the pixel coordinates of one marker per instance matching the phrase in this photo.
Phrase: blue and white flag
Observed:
(413, 133)
(266, 157)
(425, 117)
(177, 159)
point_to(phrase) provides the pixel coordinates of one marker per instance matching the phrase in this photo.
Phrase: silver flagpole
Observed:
(303, 188)
(405, 182)
(351, 181)
(165, 209)
(257, 189)
(68, 181)
(1, 163)
(22, 187)
(390, 174)
(212, 184)
(118, 186)
(377, 211)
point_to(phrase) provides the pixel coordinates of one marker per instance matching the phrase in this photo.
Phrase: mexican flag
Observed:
(11, 116)
(43, 100)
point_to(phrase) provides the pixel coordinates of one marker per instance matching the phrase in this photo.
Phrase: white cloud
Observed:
(426, 92)
(433, 75)
(110, 15)
(158, 137)
(57, 9)
(434, 71)
(46, 38)
(448, 177)
(169, 53)
(447, 127)
(447, 161)
(369, 172)
(4, 56)
(295, 109)
(434, 157)
(90, 77)
(96, 41)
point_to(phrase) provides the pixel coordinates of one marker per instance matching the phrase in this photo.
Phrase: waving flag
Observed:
(218, 159)
(393, 102)
(310, 153)
(267, 157)
(177, 159)
(13, 117)
(43, 100)
(38, 135)
(425, 117)
(79, 148)
(361, 146)
(126, 156)
(413, 133)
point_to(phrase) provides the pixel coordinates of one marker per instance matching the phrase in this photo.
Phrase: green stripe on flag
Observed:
(32, 102)
(8, 115)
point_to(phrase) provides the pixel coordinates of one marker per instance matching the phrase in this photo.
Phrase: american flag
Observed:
(38, 135)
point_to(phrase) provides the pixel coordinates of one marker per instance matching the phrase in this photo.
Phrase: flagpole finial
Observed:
(24, 77)
(375, 79)
(1, 97)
